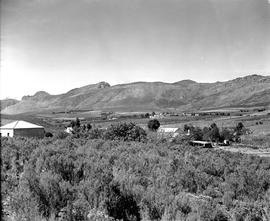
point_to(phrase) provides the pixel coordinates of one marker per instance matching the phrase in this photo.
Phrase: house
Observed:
(22, 128)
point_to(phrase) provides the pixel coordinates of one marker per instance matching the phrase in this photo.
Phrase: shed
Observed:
(204, 144)
(69, 130)
(171, 131)
(168, 129)
(22, 128)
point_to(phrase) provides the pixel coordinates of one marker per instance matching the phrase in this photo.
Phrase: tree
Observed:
(206, 132)
(239, 128)
(197, 133)
(77, 122)
(88, 126)
(186, 128)
(153, 125)
(72, 124)
(226, 134)
(214, 133)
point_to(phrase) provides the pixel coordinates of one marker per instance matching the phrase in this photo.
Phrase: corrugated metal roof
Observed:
(167, 130)
(20, 124)
(200, 142)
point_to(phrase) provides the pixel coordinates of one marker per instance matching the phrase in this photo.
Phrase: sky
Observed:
(58, 45)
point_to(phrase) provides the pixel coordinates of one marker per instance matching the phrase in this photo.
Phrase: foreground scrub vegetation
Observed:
(83, 178)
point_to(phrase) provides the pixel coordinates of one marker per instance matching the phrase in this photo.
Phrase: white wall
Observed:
(6, 132)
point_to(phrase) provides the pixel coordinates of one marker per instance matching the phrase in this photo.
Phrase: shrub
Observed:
(239, 129)
(121, 205)
(130, 181)
(226, 134)
(186, 128)
(153, 125)
(48, 134)
(88, 126)
(97, 215)
(61, 135)
(125, 132)
(95, 133)
(214, 133)
(197, 134)
(77, 122)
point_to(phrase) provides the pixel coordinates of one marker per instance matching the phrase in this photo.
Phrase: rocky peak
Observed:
(37, 95)
(103, 84)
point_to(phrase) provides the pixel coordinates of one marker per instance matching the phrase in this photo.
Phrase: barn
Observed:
(22, 128)
(169, 131)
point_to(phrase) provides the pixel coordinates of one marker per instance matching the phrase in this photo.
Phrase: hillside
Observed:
(7, 102)
(145, 96)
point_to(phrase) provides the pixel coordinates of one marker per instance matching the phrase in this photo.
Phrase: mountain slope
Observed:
(144, 96)
(7, 102)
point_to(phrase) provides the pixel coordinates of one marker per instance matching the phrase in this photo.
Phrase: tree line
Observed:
(214, 134)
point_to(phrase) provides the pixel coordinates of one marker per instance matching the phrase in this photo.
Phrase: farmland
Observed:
(257, 122)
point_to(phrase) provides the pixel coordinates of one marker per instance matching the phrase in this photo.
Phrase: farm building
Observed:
(69, 130)
(22, 128)
(172, 131)
(203, 144)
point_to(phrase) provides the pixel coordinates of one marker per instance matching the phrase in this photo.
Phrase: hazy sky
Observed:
(56, 45)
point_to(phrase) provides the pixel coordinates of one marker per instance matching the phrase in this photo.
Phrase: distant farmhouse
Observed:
(169, 131)
(69, 130)
(22, 128)
(206, 113)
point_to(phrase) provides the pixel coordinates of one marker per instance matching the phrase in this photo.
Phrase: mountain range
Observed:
(186, 95)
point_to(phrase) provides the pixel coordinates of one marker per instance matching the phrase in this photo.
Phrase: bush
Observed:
(48, 134)
(226, 134)
(61, 135)
(95, 133)
(214, 133)
(84, 179)
(239, 129)
(121, 205)
(197, 133)
(88, 126)
(125, 132)
(153, 125)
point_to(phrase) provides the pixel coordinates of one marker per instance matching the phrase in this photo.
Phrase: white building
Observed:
(69, 130)
(169, 130)
(22, 128)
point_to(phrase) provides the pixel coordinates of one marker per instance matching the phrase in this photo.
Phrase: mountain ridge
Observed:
(7, 102)
(140, 96)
